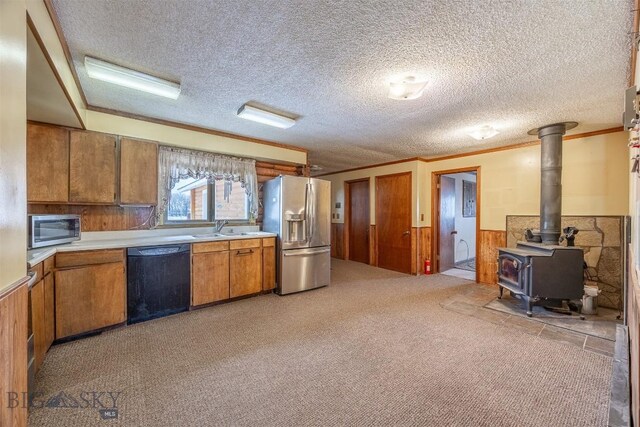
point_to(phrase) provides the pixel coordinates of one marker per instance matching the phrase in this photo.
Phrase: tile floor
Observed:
(593, 334)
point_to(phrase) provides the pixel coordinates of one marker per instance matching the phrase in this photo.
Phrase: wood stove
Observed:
(540, 274)
(545, 272)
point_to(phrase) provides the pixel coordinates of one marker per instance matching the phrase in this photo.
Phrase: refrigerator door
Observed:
(294, 215)
(303, 269)
(319, 212)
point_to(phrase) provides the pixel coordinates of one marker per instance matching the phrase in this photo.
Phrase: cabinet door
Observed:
(268, 264)
(49, 311)
(38, 322)
(92, 167)
(245, 272)
(47, 164)
(89, 298)
(210, 277)
(138, 172)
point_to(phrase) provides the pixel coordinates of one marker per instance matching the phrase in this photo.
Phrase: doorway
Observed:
(357, 220)
(393, 221)
(456, 222)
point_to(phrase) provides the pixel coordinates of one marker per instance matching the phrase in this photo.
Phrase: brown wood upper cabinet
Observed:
(47, 164)
(138, 172)
(92, 167)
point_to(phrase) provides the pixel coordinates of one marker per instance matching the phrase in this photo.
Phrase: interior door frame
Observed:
(347, 216)
(410, 173)
(435, 215)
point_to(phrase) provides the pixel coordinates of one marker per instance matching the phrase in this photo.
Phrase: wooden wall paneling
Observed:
(488, 242)
(14, 314)
(633, 320)
(337, 240)
(373, 246)
(138, 172)
(92, 167)
(101, 218)
(47, 163)
(425, 246)
(415, 250)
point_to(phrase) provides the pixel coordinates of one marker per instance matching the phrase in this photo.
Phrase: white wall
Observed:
(465, 226)
(13, 145)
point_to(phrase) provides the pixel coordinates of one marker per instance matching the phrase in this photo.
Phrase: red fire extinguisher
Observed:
(427, 266)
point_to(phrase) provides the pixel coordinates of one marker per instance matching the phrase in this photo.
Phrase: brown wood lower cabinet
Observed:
(245, 272)
(49, 311)
(89, 298)
(209, 277)
(268, 264)
(38, 322)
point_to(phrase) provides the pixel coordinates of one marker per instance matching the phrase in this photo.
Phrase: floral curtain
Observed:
(178, 163)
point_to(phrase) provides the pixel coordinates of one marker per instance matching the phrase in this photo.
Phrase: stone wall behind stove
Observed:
(601, 239)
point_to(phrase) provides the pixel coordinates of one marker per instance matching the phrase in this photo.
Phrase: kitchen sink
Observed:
(208, 235)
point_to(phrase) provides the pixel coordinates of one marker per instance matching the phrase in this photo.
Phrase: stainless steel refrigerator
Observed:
(298, 209)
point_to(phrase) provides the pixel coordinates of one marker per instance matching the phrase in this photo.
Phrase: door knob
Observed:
(454, 232)
(406, 233)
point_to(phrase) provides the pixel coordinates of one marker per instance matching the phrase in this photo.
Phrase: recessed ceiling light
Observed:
(316, 168)
(484, 132)
(265, 117)
(407, 87)
(116, 74)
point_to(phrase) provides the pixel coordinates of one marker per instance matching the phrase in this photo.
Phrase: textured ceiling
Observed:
(513, 64)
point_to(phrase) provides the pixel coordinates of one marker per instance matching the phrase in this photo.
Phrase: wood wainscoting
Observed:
(633, 320)
(337, 240)
(422, 238)
(118, 218)
(13, 354)
(488, 242)
(373, 246)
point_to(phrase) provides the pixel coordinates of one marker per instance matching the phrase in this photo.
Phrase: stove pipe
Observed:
(551, 179)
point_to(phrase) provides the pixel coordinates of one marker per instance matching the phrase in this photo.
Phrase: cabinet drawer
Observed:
(269, 242)
(48, 265)
(245, 243)
(197, 248)
(38, 269)
(75, 259)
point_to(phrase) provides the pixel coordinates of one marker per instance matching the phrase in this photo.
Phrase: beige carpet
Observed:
(374, 348)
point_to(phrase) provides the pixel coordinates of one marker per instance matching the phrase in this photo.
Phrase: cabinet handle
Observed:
(249, 252)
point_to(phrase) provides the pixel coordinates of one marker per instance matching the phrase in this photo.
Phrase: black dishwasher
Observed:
(158, 281)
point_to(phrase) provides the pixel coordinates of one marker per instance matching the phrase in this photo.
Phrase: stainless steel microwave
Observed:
(49, 230)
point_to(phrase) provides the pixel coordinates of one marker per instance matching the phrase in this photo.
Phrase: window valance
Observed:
(179, 163)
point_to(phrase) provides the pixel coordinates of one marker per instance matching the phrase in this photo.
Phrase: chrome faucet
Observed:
(220, 224)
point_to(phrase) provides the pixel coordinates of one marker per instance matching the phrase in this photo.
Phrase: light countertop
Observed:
(131, 239)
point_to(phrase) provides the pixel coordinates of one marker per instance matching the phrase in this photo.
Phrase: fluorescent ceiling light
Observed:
(115, 74)
(483, 132)
(265, 117)
(407, 87)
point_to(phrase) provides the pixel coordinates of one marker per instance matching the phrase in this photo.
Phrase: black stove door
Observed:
(511, 272)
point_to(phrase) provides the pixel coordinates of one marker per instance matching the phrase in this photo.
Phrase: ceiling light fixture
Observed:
(265, 117)
(126, 77)
(484, 132)
(407, 87)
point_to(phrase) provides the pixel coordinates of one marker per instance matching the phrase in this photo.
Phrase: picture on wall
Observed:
(468, 198)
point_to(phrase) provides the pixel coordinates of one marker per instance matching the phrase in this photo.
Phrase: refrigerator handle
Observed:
(306, 213)
(312, 212)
